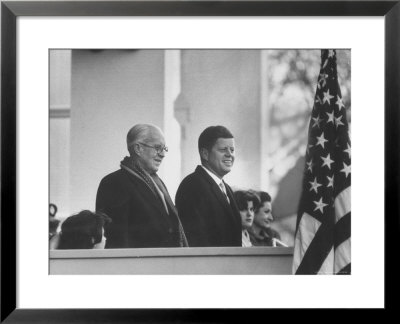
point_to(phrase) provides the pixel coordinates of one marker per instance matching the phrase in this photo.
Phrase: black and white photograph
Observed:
(199, 161)
(196, 155)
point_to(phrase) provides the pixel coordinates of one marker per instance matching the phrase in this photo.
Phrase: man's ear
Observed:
(136, 149)
(204, 154)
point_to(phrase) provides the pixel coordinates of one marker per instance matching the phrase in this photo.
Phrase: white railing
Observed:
(215, 260)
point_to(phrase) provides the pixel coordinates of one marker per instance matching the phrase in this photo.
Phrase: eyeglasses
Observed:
(159, 149)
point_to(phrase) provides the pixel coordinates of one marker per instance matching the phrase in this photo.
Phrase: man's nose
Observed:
(228, 153)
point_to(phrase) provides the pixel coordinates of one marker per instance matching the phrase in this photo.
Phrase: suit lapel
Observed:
(215, 189)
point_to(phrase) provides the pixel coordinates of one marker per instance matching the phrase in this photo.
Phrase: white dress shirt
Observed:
(246, 239)
(218, 181)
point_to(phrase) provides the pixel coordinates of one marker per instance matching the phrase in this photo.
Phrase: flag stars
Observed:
(338, 121)
(331, 53)
(317, 121)
(330, 181)
(348, 150)
(346, 169)
(322, 80)
(321, 140)
(331, 118)
(314, 185)
(327, 161)
(320, 205)
(327, 97)
(339, 103)
(310, 165)
(318, 100)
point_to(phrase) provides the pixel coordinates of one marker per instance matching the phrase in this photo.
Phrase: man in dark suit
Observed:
(135, 198)
(205, 202)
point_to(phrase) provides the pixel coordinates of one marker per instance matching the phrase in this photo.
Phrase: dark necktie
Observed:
(223, 189)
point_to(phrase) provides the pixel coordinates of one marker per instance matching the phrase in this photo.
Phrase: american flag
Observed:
(323, 228)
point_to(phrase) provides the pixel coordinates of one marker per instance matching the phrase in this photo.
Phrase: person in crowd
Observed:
(136, 199)
(246, 202)
(84, 230)
(261, 233)
(53, 222)
(204, 200)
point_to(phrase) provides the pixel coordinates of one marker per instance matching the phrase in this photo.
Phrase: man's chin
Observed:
(227, 170)
(153, 170)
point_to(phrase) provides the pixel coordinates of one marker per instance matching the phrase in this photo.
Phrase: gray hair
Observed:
(138, 133)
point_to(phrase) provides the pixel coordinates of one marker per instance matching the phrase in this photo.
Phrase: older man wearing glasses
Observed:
(135, 198)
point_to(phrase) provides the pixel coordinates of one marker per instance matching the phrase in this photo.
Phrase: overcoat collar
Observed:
(147, 192)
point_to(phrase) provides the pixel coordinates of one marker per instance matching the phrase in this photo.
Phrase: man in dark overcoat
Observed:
(135, 198)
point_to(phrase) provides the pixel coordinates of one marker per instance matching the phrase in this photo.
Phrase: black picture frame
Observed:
(10, 10)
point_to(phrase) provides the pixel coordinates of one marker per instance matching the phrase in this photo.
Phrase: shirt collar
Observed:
(213, 176)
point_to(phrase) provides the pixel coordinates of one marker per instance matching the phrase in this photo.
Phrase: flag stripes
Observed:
(307, 228)
(343, 203)
(346, 270)
(327, 266)
(318, 250)
(342, 229)
(342, 256)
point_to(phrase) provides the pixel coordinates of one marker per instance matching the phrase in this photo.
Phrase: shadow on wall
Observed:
(285, 204)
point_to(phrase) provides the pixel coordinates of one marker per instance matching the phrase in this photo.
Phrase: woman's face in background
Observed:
(263, 217)
(247, 215)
